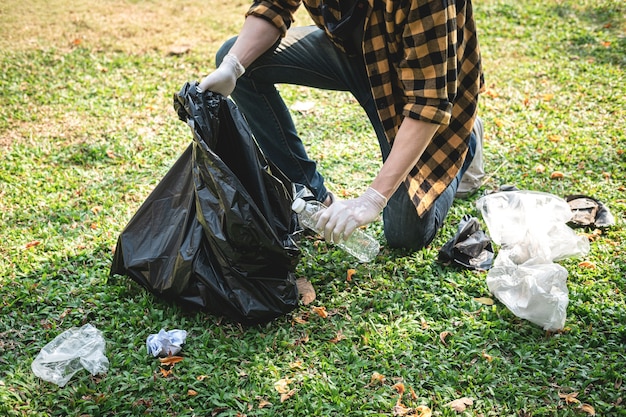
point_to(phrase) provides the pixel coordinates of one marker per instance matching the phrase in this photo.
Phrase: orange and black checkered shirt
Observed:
(423, 62)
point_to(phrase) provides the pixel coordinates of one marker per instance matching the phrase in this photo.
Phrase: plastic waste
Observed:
(166, 343)
(360, 245)
(69, 352)
(531, 229)
(589, 211)
(217, 232)
(470, 247)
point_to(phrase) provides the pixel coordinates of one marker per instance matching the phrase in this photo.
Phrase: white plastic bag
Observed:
(69, 352)
(531, 228)
(166, 343)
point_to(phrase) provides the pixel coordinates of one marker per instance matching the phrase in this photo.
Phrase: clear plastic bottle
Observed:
(360, 245)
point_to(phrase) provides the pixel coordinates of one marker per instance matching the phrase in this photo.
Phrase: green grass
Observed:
(87, 132)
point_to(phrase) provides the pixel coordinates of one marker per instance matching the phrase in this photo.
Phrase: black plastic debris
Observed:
(470, 247)
(588, 211)
(217, 232)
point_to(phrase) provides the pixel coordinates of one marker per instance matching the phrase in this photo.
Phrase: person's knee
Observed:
(224, 49)
(407, 239)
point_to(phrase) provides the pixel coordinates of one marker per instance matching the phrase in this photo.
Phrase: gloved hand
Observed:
(341, 218)
(224, 78)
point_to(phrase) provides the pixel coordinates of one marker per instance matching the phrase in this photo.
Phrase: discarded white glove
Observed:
(224, 78)
(342, 217)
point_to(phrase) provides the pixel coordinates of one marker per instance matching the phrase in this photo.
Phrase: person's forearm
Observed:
(412, 139)
(256, 36)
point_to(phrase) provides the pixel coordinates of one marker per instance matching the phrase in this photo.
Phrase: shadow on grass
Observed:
(598, 31)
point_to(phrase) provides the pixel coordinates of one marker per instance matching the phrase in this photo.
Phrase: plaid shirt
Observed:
(423, 62)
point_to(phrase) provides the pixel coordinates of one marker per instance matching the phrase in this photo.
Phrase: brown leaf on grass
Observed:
(459, 405)
(320, 311)
(295, 365)
(299, 320)
(282, 385)
(32, 244)
(201, 377)
(302, 340)
(284, 397)
(588, 409)
(165, 372)
(587, 264)
(485, 300)
(264, 403)
(340, 336)
(424, 323)
(306, 291)
(487, 356)
(170, 360)
(400, 410)
(349, 274)
(570, 398)
(192, 393)
(377, 378)
(399, 386)
(556, 175)
(423, 411)
(442, 337)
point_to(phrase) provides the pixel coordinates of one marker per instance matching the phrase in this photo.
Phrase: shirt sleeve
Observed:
(279, 13)
(428, 69)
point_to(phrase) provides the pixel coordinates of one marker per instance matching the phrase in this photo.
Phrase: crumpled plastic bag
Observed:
(470, 247)
(531, 228)
(166, 343)
(589, 211)
(69, 352)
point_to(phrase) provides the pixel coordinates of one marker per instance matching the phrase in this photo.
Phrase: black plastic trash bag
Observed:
(588, 211)
(470, 247)
(217, 232)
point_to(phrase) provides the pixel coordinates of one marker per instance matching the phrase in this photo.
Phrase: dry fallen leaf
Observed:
(459, 405)
(192, 393)
(588, 409)
(540, 169)
(264, 403)
(340, 336)
(487, 356)
(424, 323)
(202, 377)
(442, 337)
(349, 274)
(282, 385)
(377, 378)
(165, 372)
(170, 360)
(32, 244)
(320, 311)
(284, 397)
(295, 365)
(485, 300)
(556, 175)
(400, 410)
(569, 398)
(306, 291)
(423, 411)
(399, 386)
(299, 320)
(587, 264)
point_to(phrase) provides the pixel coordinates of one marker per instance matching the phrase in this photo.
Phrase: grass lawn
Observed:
(87, 129)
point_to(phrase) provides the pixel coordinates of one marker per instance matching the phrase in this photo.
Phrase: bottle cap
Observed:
(298, 205)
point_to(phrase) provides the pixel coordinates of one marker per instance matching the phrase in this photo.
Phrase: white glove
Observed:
(224, 78)
(341, 218)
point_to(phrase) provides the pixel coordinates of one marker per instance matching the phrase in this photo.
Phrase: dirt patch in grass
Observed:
(118, 25)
